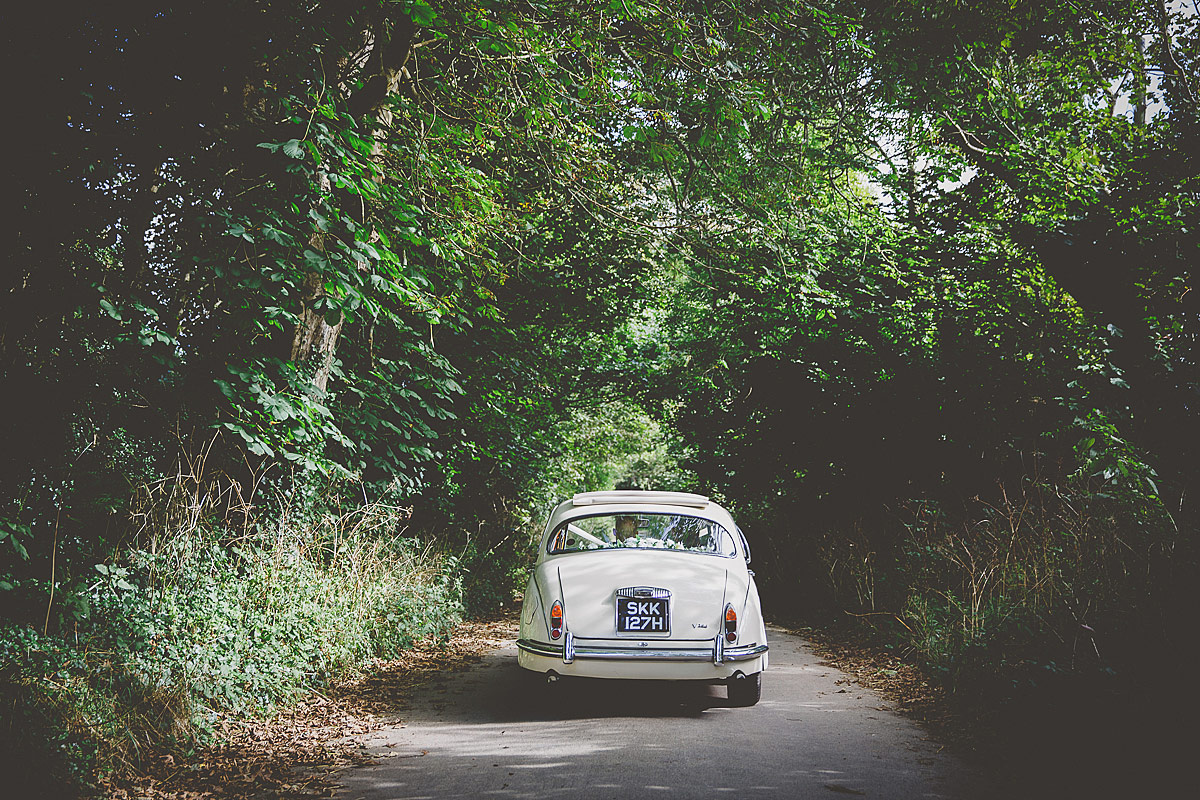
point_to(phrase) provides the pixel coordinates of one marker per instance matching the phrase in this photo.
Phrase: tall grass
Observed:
(1042, 575)
(215, 611)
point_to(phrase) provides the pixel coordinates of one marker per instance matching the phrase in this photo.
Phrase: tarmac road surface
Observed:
(490, 732)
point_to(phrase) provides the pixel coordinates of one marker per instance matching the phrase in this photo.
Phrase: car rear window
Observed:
(644, 532)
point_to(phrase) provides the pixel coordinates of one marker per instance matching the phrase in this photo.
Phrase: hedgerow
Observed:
(158, 645)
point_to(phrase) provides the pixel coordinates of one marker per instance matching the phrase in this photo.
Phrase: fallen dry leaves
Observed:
(294, 755)
(903, 685)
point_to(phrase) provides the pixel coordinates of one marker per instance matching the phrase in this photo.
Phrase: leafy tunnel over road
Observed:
(909, 286)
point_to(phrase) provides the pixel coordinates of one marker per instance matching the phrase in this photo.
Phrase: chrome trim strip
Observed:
(540, 649)
(742, 653)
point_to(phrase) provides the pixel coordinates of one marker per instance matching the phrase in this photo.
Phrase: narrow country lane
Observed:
(490, 732)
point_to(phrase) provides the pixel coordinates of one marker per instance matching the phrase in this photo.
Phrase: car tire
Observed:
(745, 690)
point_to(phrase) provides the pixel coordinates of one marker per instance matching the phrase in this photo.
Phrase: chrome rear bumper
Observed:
(717, 653)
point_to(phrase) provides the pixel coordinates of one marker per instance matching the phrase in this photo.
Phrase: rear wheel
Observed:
(745, 690)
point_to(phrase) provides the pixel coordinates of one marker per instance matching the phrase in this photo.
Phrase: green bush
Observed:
(207, 624)
(1041, 575)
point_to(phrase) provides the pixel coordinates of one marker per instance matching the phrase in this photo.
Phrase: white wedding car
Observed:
(644, 585)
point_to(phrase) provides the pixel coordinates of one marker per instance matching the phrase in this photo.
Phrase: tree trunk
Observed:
(315, 339)
(1141, 82)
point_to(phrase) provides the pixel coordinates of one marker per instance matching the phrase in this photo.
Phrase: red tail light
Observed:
(556, 620)
(730, 624)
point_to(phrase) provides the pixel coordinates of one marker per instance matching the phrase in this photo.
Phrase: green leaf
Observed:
(421, 13)
(111, 309)
(317, 262)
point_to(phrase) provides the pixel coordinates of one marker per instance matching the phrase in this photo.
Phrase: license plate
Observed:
(642, 615)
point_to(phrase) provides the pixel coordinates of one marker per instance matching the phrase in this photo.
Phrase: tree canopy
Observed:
(907, 285)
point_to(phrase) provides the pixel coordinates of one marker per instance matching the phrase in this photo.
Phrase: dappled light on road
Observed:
(497, 731)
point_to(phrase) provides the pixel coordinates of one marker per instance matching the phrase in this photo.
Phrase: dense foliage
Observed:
(907, 285)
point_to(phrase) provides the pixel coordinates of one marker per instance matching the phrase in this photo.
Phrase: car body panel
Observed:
(699, 586)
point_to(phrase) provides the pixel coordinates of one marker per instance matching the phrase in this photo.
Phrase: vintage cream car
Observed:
(644, 585)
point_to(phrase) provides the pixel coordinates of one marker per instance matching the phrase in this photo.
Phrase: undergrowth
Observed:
(1055, 611)
(202, 620)
(1008, 594)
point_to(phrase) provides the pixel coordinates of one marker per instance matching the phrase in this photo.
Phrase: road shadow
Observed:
(495, 729)
(500, 691)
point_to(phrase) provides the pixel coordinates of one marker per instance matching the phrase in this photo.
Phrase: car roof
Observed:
(588, 504)
(640, 497)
